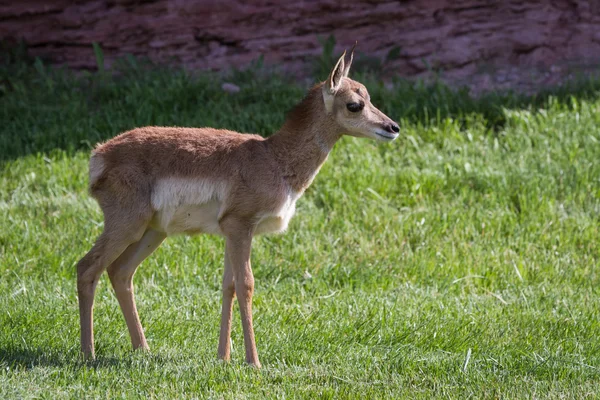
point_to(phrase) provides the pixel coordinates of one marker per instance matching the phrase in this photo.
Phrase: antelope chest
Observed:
(193, 206)
(278, 220)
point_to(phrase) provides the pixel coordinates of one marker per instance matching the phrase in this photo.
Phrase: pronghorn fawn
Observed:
(157, 181)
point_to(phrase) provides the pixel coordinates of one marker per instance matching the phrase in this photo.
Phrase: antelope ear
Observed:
(347, 68)
(334, 82)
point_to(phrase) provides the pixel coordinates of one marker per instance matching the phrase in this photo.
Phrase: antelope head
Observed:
(349, 103)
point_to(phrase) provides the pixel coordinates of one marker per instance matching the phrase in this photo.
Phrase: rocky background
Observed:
(461, 38)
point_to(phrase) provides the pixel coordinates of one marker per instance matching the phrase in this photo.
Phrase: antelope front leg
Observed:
(238, 245)
(228, 296)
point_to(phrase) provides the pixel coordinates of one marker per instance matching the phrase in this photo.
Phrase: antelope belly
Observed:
(189, 219)
(187, 205)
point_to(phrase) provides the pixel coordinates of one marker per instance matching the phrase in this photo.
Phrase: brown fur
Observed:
(258, 176)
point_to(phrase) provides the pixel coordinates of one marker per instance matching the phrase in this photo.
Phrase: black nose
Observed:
(391, 128)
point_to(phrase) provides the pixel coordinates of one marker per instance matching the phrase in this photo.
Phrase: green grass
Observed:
(475, 233)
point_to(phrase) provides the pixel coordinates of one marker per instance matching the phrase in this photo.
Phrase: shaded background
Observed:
(408, 38)
(529, 46)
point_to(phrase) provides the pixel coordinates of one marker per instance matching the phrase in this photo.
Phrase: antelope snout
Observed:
(392, 127)
(388, 130)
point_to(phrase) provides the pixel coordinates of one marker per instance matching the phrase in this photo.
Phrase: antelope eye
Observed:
(355, 107)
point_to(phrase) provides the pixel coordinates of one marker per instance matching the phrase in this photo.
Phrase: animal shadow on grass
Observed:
(17, 357)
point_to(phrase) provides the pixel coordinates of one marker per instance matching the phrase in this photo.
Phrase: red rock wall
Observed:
(457, 36)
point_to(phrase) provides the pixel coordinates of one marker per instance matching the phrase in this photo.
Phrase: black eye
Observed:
(355, 107)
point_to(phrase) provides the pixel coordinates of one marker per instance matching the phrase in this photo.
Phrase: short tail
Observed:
(97, 168)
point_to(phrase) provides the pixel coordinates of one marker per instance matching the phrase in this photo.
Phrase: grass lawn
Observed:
(459, 261)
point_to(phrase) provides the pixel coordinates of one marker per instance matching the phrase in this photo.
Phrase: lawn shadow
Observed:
(47, 109)
(432, 103)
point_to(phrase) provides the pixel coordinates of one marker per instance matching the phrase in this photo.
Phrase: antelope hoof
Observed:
(142, 349)
(87, 356)
(255, 365)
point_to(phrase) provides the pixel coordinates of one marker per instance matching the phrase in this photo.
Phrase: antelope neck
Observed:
(304, 141)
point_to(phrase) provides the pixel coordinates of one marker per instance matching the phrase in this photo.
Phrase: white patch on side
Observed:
(174, 192)
(186, 205)
(96, 168)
